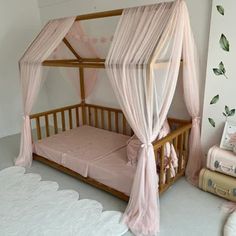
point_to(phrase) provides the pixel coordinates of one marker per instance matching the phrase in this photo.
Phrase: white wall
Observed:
(20, 23)
(200, 20)
(219, 85)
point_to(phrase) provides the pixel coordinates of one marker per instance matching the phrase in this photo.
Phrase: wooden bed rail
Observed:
(112, 119)
(179, 138)
(59, 119)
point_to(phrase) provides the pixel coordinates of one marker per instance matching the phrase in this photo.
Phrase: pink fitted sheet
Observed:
(113, 171)
(76, 149)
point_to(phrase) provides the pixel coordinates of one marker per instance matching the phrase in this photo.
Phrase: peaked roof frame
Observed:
(80, 62)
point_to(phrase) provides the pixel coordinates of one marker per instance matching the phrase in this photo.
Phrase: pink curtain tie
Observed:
(25, 117)
(196, 120)
(146, 145)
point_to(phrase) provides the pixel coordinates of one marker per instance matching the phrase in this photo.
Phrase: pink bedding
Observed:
(113, 171)
(79, 147)
(91, 152)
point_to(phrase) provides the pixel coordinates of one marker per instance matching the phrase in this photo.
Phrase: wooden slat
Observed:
(186, 151)
(168, 173)
(124, 124)
(109, 120)
(39, 135)
(63, 120)
(47, 126)
(97, 15)
(77, 116)
(96, 117)
(90, 116)
(102, 118)
(180, 152)
(70, 119)
(116, 122)
(162, 165)
(175, 143)
(67, 43)
(55, 123)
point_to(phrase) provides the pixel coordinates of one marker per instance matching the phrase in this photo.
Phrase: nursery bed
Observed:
(96, 151)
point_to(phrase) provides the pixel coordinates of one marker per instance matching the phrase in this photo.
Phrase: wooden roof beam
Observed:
(93, 60)
(97, 15)
(71, 49)
(68, 63)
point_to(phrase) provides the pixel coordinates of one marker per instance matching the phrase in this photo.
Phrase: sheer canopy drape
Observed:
(192, 100)
(31, 79)
(85, 49)
(143, 66)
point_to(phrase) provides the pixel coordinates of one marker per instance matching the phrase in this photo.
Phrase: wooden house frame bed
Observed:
(106, 118)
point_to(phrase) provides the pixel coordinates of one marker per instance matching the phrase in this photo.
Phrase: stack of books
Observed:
(220, 176)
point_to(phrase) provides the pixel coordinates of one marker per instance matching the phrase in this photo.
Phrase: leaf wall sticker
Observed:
(212, 122)
(228, 112)
(224, 43)
(220, 70)
(220, 9)
(215, 99)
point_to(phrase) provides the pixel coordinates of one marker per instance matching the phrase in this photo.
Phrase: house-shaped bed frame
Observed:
(109, 119)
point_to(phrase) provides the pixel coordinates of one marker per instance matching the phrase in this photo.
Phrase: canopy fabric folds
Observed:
(143, 66)
(84, 49)
(31, 79)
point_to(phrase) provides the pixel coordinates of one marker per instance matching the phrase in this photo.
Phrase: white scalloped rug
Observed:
(29, 206)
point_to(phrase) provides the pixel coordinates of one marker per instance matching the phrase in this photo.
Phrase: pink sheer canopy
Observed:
(143, 66)
(84, 47)
(31, 79)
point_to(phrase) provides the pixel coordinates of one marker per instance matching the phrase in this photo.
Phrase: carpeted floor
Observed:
(185, 210)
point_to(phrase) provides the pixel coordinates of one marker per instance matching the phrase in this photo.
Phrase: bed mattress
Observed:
(76, 149)
(113, 171)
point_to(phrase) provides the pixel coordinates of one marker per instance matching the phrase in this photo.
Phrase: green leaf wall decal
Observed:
(222, 67)
(220, 9)
(217, 71)
(232, 112)
(215, 99)
(224, 43)
(228, 112)
(221, 70)
(212, 122)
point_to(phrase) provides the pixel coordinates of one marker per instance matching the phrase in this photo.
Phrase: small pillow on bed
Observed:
(133, 146)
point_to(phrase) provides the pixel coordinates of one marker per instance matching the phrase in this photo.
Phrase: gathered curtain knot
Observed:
(146, 145)
(25, 117)
(196, 120)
